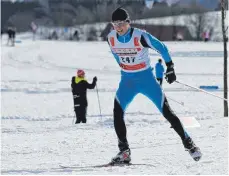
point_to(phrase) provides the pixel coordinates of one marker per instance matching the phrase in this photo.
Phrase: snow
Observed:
(37, 114)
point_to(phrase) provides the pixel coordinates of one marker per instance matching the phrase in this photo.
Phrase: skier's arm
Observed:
(149, 41)
(92, 85)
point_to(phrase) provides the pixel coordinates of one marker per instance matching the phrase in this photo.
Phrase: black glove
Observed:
(170, 75)
(95, 79)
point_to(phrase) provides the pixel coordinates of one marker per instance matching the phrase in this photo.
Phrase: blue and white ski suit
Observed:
(134, 61)
(131, 53)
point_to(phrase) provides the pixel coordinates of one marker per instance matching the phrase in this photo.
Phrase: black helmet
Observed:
(159, 60)
(120, 14)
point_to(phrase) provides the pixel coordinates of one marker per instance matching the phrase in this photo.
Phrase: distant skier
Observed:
(11, 31)
(130, 49)
(34, 28)
(159, 70)
(79, 90)
(206, 36)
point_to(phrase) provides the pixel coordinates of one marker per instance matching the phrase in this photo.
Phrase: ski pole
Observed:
(98, 101)
(181, 103)
(202, 90)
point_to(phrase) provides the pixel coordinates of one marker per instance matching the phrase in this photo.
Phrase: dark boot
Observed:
(77, 122)
(84, 121)
(77, 117)
(193, 150)
(122, 157)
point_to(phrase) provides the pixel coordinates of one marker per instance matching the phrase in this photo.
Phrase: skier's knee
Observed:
(170, 115)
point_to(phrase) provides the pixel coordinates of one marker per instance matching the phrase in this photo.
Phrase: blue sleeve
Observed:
(157, 45)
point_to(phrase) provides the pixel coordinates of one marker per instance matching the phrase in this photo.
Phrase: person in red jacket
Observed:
(79, 91)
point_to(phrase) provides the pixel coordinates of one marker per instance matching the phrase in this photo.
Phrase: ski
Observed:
(106, 165)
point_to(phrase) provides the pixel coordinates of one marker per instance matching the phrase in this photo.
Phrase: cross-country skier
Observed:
(130, 49)
(11, 31)
(159, 71)
(79, 90)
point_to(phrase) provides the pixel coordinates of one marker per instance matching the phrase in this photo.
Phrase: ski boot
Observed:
(123, 157)
(193, 150)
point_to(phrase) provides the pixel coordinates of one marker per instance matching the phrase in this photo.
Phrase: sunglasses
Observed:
(120, 23)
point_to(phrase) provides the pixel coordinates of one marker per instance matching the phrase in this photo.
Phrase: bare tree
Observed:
(209, 22)
(100, 11)
(84, 15)
(225, 38)
(174, 22)
(197, 23)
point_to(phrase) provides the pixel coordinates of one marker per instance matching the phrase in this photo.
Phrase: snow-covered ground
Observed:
(37, 114)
